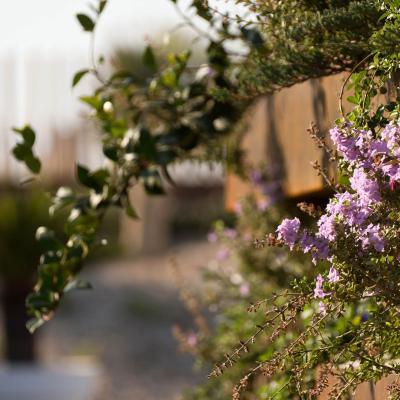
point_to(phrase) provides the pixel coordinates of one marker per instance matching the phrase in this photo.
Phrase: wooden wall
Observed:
(277, 134)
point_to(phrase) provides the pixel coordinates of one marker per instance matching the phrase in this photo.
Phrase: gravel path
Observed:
(125, 324)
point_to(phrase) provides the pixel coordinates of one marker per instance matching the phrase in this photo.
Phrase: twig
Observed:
(347, 80)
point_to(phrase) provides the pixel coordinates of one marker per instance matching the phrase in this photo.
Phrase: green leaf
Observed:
(78, 76)
(102, 5)
(93, 101)
(21, 151)
(111, 151)
(130, 211)
(47, 238)
(152, 182)
(27, 133)
(86, 22)
(77, 284)
(202, 10)
(169, 78)
(83, 175)
(149, 60)
(252, 36)
(147, 145)
(33, 163)
(93, 180)
(353, 100)
(34, 323)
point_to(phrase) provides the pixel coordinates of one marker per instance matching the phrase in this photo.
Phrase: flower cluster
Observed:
(357, 224)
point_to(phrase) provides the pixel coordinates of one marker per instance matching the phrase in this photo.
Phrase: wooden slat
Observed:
(277, 134)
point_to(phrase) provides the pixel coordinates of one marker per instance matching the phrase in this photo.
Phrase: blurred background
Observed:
(113, 342)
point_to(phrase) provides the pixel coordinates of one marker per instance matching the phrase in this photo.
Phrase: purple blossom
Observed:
(391, 134)
(230, 233)
(223, 253)
(287, 231)
(272, 189)
(348, 207)
(263, 204)
(322, 308)
(319, 291)
(256, 177)
(392, 171)
(363, 140)
(244, 289)
(365, 316)
(318, 246)
(346, 145)
(333, 275)
(212, 237)
(326, 225)
(366, 188)
(237, 208)
(378, 147)
(321, 250)
(372, 237)
(191, 340)
(307, 242)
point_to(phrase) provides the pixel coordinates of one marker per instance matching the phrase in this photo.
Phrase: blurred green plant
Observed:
(21, 213)
(235, 281)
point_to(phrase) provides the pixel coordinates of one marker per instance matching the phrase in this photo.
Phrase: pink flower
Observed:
(366, 188)
(230, 233)
(212, 237)
(333, 275)
(191, 340)
(222, 254)
(244, 289)
(287, 231)
(263, 204)
(319, 291)
(237, 208)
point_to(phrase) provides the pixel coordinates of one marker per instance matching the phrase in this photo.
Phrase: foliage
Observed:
(307, 39)
(23, 151)
(241, 275)
(354, 335)
(184, 111)
(145, 127)
(21, 212)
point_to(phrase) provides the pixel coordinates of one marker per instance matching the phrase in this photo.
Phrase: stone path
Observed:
(125, 324)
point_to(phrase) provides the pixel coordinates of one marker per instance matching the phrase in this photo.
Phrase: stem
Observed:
(347, 80)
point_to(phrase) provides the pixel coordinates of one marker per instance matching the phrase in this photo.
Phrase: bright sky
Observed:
(42, 45)
(48, 24)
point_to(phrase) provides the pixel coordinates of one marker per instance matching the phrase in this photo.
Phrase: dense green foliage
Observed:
(307, 39)
(235, 282)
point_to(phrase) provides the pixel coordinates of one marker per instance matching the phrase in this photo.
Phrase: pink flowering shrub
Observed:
(345, 321)
(240, 275)
(358, 232)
